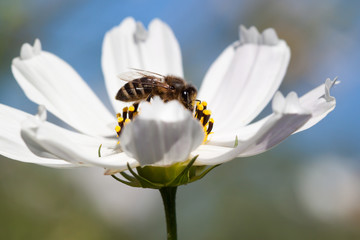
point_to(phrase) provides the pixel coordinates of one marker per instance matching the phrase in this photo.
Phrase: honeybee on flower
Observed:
(237, 87)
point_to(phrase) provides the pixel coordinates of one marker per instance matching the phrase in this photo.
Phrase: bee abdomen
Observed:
(133, 91)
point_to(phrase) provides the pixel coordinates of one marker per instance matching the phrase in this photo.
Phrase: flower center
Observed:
(201, 113)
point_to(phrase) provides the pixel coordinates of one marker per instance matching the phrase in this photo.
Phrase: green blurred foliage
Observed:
(39, 203)
(13, 18)
(254, 198)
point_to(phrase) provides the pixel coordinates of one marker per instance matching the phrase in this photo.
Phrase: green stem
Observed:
(168, 195)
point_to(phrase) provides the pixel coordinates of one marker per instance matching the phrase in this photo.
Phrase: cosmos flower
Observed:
(236, 88)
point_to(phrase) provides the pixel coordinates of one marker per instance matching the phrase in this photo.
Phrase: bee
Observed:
(143, 85)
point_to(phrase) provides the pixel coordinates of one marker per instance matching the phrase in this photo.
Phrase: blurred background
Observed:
(306, 188)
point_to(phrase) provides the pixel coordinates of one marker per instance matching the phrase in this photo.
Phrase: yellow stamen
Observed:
(118, 130)
(204, 104)
(128, 113)
(199, 112)
(203, 115)
(131, 112)
(206, 117)
(207, 112)
(120, 121)
(210, 126)
(136, 106)
(125, 110)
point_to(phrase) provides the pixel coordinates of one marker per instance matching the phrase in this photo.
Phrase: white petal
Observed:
(162, 134)
(129, 45)
(288, 117)
(280, 105)
(281, 129)
(49, 81)
(13, 145)
(214, 77)
(76, 147)
(319, 102)
(276, 129)
(114, 162)
(44, 137)
(245, 77)
(278, 102)
(207, 152)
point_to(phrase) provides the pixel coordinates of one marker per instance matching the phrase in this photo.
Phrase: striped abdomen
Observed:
(135, 90)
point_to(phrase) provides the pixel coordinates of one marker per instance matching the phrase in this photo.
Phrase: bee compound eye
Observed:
(172, 88)
(184, 95)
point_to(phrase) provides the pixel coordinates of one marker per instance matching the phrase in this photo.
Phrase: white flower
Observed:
(238, 85)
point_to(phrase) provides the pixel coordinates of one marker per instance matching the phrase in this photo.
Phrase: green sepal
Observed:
(184, 176)
(131, 183)
(204, 173)
(162, 174)
(145, 183)
(158, 177)
(128, 177)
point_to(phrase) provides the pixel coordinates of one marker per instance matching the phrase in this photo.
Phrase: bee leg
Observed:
(149, 98)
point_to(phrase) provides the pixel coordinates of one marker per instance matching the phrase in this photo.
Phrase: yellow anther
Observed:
(131, 108)
(136, 106)
(127, 121)
(118, 115)
(125, 110)
(117, 129)
(203, 115)
(207, 112)
(210, 126)
(118, 142)
(120, 119)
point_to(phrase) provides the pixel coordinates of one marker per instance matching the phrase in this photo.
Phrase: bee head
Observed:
(188, 96)
(182, 91)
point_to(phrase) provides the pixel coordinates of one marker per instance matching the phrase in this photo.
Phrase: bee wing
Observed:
(150, 82)
(161, 84)
(137, 73)
(147, 73)
(129, 76)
